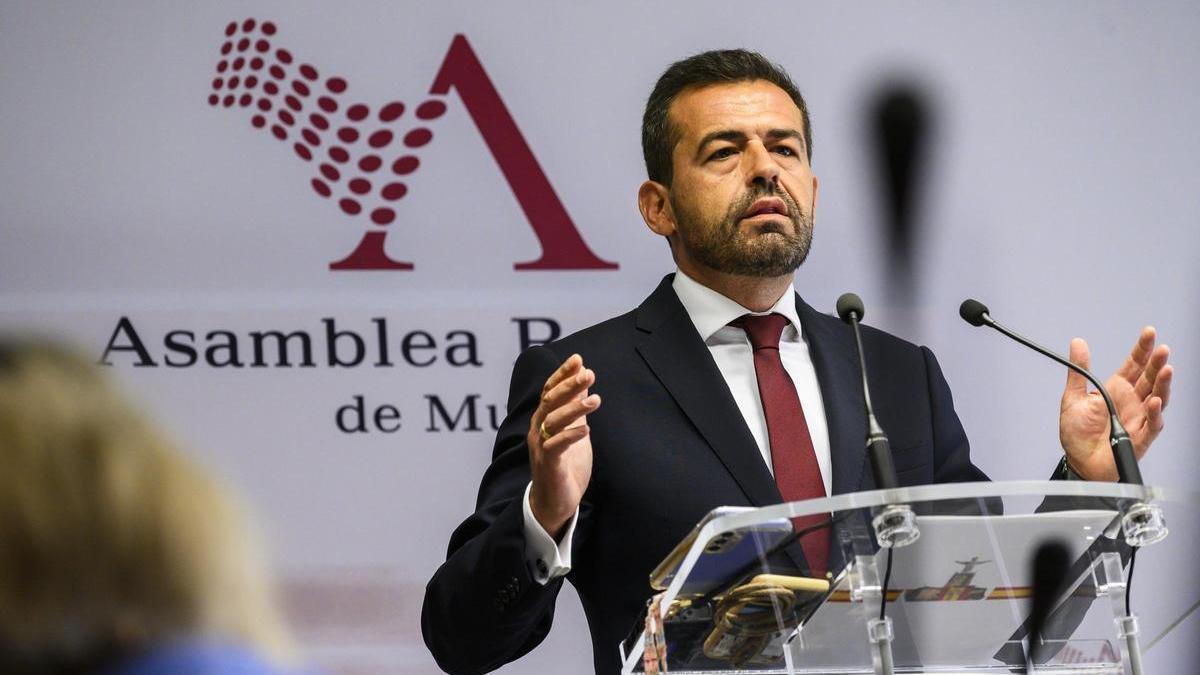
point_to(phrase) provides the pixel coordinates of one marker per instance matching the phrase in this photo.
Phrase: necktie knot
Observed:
(764, 330)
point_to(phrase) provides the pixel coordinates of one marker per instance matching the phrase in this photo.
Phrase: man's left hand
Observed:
(1140, 390)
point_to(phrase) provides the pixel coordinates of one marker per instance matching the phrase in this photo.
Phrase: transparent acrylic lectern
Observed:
(957, 596)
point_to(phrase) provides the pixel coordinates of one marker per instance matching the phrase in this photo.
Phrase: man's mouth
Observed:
(766, 206)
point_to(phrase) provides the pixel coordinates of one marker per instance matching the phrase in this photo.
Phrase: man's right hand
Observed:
(560, 449)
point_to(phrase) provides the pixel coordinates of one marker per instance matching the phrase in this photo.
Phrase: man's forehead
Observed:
(745, 105)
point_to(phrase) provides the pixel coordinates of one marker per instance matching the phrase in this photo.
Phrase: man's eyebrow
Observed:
(778, 134)
(735, 136)
(731, 135)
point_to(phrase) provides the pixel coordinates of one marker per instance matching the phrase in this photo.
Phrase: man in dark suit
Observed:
(722, 388)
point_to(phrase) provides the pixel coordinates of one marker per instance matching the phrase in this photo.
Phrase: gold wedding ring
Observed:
(542, 432)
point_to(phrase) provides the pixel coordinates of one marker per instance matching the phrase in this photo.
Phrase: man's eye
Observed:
(785, 151)
(722, 153)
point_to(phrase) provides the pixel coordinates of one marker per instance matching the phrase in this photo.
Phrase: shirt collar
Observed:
(710, 311)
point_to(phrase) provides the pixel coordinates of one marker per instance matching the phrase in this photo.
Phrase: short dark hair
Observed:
(659, 136)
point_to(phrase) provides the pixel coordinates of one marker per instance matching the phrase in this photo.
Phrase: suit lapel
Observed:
(675, 353)
(831, 346)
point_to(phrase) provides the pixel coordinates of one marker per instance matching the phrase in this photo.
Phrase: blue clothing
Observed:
(198, 658)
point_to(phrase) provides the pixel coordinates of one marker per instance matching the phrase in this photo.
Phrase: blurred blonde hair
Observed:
(110, 538)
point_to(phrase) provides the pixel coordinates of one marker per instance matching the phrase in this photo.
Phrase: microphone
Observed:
(901, 126)
(1051, 562)
(879, 452)
(976, 313)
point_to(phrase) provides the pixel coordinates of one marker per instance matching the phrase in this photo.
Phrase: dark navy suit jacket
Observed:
(669, 445)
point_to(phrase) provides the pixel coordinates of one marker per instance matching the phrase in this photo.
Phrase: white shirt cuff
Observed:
(547, 560)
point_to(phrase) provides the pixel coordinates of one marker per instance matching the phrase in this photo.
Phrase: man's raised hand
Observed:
(560, 450)
(1140, 389)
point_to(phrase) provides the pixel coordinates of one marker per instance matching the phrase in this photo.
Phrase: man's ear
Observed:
(655, 206)
(814, 203)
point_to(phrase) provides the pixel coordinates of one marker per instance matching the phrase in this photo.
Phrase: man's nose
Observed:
(763, 167)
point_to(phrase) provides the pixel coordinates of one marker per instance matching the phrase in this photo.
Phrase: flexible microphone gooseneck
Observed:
(850, 310)
(976, 313)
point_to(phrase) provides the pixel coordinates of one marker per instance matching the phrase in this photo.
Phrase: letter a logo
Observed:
(361, 154)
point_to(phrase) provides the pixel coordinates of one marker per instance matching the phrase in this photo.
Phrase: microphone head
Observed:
(973, 312)
(849, 302)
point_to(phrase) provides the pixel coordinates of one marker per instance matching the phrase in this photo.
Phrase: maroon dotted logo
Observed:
(362, 154)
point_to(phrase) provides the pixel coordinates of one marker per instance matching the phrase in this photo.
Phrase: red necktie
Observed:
(792, 455)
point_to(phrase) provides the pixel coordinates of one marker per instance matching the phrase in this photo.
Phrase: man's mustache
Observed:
(795, 213)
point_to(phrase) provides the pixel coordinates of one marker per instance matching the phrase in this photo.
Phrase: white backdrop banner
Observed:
(313, 238)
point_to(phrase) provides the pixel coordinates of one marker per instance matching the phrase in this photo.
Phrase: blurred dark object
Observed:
(1051, 562)
(116, 548)
(900, 128)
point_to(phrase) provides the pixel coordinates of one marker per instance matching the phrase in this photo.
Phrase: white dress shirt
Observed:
(711, 313)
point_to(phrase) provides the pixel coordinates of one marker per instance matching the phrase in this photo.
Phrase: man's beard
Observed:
(724, 247)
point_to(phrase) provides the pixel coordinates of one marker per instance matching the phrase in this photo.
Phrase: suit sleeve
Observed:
(483, 607)
(952, 451)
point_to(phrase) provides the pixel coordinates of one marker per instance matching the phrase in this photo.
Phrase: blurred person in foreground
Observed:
(118, 555)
